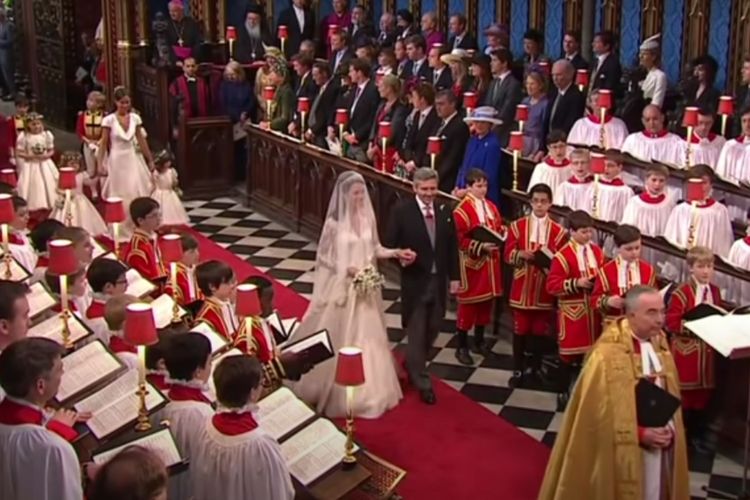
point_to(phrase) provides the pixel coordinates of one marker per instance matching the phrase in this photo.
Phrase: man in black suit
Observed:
(300, 24)
(361, 30)
(424, 225)
(252, 36)
(460, 38)
(416, 68)
(405, 24)
(742, 96)
(605, 68)
(441, 74)
(322, 107)
(340, 51)
(387, 34)
(362, 109)
(567, 103)
(504, 93)
(572, 50)
(455, 135)
(304, 85)
(420, 126)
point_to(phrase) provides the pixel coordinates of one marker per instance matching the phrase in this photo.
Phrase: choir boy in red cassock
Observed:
(219, 285)
(571, 279)
(621, 274)
(38, 460)
(188, 360)
(17, 124)
(232, 436)
(575, 192)
(89, 130)
(481, 280)
(107, 279)
(191, 90)
(114, 315)
(143, 252)
(187, 291)
(693, 357)
(555, 169)
(530, 303)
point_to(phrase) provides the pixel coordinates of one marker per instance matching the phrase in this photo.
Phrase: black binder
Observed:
(483, 234)
(543, 258)
(655, 407)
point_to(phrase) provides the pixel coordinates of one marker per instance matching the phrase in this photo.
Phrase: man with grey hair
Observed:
(424, 225)
(387, 34)
(600, 430)
(567, 101)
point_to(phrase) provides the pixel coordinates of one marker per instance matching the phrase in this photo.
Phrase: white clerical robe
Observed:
(574, 194)
(22, 250)
(612, 198)
(551, 173)
(704, 150)
(713, 227)
(734, 160)
(248, 466)
(37, 464)
(650, 214)
(586, 132)
(187, 420)
(664, 147)
(739, 256)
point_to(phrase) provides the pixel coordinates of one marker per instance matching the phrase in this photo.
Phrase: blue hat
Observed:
(486, 114)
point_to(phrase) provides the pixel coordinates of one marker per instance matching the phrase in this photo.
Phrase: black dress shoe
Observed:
(463, 356)
(516, 380)
(427, 396)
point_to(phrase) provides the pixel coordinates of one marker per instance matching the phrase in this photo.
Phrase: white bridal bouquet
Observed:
(368, 281)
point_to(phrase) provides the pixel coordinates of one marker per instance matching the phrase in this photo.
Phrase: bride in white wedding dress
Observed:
(349, 243)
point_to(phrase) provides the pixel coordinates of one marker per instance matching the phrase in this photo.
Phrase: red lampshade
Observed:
(303, 105)
(269, 92)
(690, 118)
(694, 190)
(248, 302)
(114, 210)
(140, 326)
(726, 105)
(522, 113)
(598, 162)
(170, 248)
(231, 33)
(342, 116)
(350, 370)
(604, 99)
(434, 145)
(470, 100)
(283, 32)
(516, 141)
(8, 176)
(62, 257)
(7, 212)
(332, 30)
(582, 77)
(67, 179)
(385, 130)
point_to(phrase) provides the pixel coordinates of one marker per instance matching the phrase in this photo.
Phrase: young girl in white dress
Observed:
(82, 211)
(348, 244)
(166, 187)
(37, 180)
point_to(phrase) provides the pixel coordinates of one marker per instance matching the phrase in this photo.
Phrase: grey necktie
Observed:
(554, 107)
(429, 221)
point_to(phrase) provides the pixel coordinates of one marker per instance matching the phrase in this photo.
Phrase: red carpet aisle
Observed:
(454, 450)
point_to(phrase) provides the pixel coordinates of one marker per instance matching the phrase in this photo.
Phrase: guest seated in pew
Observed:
(107, 279)
(734, 160)
(42, 464)
(20, 245)
(76, 290)
(587, 131)
(655, 142)
(14, 313)
(143, 252)
(695, 360)
(188, 360)
(187, 293)
(219, 286)
(232, 441)
(114, 315)
(135, 473)
(555, 168)
(284, 102)
(40, 236)
(705, 146)
(574, 193)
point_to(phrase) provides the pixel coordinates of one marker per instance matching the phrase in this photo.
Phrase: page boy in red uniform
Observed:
(530, 304)
(188, 292)
(571, 279)
(89, 130)
(693, 357)
(481, 280)
(143, 252)
(17, 124)
(219, 285)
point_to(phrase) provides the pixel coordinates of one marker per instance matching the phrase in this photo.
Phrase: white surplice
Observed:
(22, 250)
(713, 227)
(574, 194)
(551, 173)
(664, 147)
(734, 160)
(704, 150)
(739, 256)
(586, 132)
(37, 464)
(248, 466)
(612, 197)
(83, 213)
(650, 214)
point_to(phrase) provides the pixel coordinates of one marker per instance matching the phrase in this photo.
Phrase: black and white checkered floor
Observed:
(290, 258)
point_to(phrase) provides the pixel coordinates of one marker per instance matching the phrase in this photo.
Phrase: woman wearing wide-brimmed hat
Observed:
(458, 62)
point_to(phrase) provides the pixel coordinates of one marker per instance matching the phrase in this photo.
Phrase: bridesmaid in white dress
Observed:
(121, 131)
(349, 243)
(37, 179)
(166, 187)
(82, 211)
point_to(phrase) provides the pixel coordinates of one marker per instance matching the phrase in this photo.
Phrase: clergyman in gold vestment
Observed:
(600, 452)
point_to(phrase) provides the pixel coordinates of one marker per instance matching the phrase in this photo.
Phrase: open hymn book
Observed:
(84, 368)
(52, 328)
(728, 334)
(283, 329)
(163, 310)
(158, 440)
(218, 342)
(40, 300)
(116, 404)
